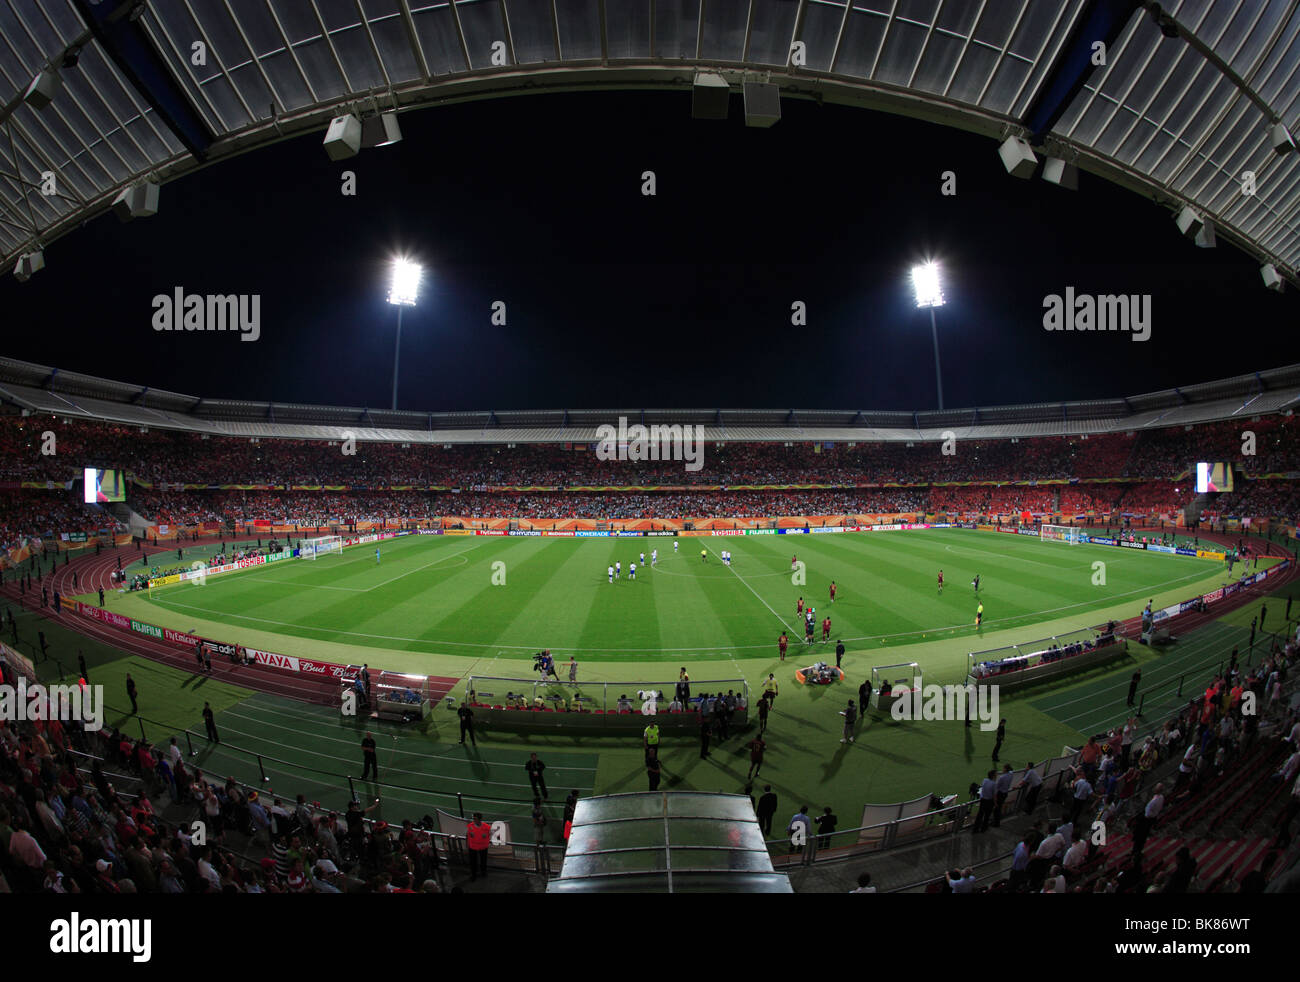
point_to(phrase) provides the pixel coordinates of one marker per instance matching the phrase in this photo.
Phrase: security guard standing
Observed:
(479, 836)
(651, 739)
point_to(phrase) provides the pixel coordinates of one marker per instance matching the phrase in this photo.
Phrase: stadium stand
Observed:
(183, 479)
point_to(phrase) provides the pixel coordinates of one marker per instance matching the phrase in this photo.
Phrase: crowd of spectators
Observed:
(40, 514)
(177, 457)
(66, 828)
(1213, 741)
(166, 458)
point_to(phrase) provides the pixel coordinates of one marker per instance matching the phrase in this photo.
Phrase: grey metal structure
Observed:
(667, 842)
(32, 388)
(1187, 101)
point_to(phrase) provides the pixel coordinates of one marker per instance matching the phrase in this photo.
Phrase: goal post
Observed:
(1071, 534)
(322, 546)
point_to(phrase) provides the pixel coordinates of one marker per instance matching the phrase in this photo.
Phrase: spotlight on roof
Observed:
(1057, 171)
(1018, 158)
(710, 96)
(1190, 222)
(343, 138)
(380, 131)
(140, 201)
(1205, 237)
(405, 284)
(71, 57)
(1283, 142)
(1272, 278)
(926, 282)
(43, 88)
(762, 103)
(29, 263)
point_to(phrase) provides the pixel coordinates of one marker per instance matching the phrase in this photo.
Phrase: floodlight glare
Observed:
(925, 279)
(405, 285)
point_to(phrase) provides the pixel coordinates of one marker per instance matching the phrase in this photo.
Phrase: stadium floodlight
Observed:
(1057, 171)
(928, 285)
(1189, 221)
(403, 289)
(1283, 142)
(1272, 278)
(29, 263)
(926, 282)
(43, 88)
(1018, 157)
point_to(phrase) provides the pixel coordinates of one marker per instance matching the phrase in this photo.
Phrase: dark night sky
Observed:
(616, 300)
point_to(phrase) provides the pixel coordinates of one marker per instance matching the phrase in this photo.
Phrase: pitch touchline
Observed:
(218, 616)
(349, 589)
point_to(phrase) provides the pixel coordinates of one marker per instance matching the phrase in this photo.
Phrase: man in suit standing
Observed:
(466, 723)
(210, 723)
(130, 691)
(653, 768)
(535, 767)
(369, 756)
(766, 810)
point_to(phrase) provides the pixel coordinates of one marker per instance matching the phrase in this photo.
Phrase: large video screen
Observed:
(1213, 477)
(102, 486)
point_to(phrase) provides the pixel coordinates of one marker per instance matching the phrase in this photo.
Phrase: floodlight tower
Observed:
(402, 291)
(929, 293)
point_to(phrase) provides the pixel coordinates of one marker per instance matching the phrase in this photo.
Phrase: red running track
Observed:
(94, 573)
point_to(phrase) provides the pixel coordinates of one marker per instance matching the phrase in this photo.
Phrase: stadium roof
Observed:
(40, 389)
(1184, 104)
(667, 842)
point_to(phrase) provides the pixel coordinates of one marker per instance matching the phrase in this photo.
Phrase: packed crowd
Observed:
(473, 469)
(176, 457)
(38, 514)
(66, 828)
(1211, 738)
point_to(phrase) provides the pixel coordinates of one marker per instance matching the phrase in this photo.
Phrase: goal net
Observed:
(1060, 533)
(323, 546)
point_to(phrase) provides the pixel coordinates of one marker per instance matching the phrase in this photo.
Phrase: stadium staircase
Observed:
(1192, 513)
(135, 522)
(1229, 823)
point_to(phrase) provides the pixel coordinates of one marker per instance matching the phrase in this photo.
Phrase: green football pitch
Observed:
(438, 605)
(470, 604)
